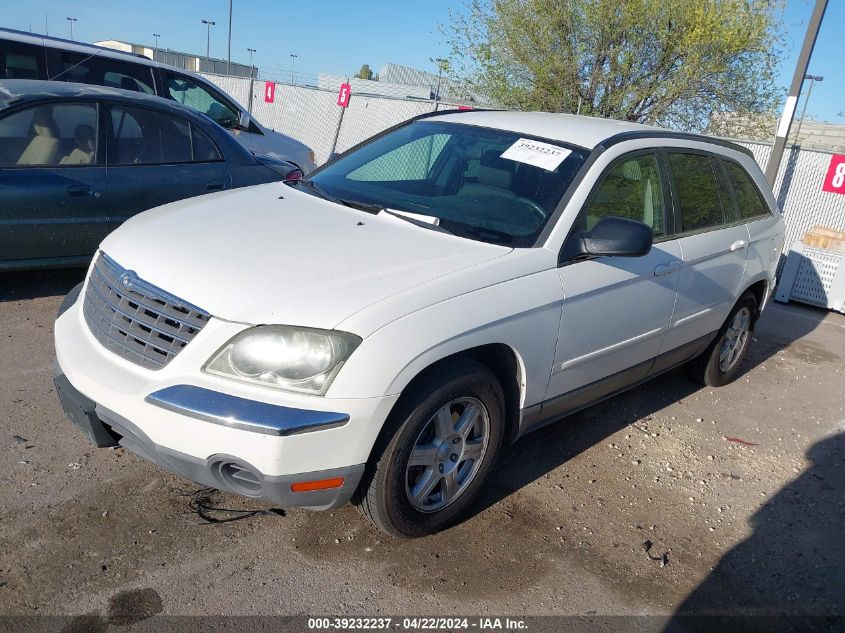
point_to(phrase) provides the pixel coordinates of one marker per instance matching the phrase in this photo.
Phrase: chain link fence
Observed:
(311, 115)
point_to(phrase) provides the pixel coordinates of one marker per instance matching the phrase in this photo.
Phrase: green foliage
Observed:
(365, 72)
(669, 62)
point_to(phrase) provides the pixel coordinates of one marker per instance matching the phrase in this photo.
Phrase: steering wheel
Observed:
(536, 208)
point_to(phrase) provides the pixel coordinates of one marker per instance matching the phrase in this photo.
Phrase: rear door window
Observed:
(748, 198)
(21, 61)
(204, 149)
(63, 134)
(696, 189)
(101, 71)
(146, 137)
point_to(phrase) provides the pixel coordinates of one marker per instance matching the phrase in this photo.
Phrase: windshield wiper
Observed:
(422, 223)
(317, 190)
(368, 207)
(487, 235)
(322, 193)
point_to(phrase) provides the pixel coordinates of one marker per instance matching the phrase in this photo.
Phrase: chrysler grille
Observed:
(136, 320)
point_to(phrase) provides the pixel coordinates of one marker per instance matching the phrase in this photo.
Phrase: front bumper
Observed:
(226, 472)
(246, 439)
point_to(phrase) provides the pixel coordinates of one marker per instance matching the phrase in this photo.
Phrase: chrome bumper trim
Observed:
(240, 413)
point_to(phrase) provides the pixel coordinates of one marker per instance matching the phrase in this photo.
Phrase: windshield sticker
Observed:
(535, 153)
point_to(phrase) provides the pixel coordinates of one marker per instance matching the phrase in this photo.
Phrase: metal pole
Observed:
(156, 35)
(71, 20)
(229, 55)
(208, 25)
(339, 123)
(292, 63)
(813, 79)
(794, 91)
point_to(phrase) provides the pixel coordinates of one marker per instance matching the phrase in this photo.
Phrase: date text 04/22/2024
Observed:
(417, 623)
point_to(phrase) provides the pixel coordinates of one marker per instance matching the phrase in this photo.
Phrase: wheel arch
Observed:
(500, 358)
(760, 290)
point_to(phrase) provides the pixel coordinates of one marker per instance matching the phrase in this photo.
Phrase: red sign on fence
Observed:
(834, 182)
(269, 91)
(343, 95)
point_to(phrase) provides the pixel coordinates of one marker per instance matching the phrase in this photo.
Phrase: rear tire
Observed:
(437, 451)
(719, 364)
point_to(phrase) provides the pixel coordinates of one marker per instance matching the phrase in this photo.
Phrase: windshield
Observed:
(485, 184)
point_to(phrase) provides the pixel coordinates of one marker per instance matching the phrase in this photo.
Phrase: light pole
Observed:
(792, 100)
(229, 54)
(442, 64)
(208, 25)
(292, 62)
(156, 35)
(251, 71)
(71, 20)
(813, 79)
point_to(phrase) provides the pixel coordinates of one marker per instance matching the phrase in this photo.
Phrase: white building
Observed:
(188, 61)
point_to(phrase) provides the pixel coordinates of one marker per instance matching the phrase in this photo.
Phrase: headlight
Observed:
(284, 357)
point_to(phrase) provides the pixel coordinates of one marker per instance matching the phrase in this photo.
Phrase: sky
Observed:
(338, 36)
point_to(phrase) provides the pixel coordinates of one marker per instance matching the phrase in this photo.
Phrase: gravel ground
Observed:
(666, 499)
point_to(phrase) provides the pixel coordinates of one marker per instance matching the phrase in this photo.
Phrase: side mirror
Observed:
(243, 121)
(611, 237)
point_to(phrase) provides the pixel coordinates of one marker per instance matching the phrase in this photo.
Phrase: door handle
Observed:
(667, 268)
(214, 186)
(79, 190)
(739, 244)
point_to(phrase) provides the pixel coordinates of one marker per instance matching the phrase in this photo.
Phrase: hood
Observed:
(277, 145)
(273, 254)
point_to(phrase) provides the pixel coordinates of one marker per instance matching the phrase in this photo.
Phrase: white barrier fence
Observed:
(311, 115)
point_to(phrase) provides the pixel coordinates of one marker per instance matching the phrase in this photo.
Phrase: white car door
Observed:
(714, 246)
(616, 309)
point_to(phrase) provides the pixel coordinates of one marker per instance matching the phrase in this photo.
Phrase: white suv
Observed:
(376, 333)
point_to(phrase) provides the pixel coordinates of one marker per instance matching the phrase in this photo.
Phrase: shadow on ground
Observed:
(542, 451)
(793, 564)
(16, 286)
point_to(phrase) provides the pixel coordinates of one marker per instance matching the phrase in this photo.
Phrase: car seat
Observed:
(83, 154)
(44, 146)
(495, 177)
(127, 83)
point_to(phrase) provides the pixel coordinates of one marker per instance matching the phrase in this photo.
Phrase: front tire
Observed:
(720, 362)
(437, 451)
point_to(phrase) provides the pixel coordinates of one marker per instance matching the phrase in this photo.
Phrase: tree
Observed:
(669, 62)
(365, 72)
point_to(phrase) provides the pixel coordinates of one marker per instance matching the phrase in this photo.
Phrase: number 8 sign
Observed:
(834, 182)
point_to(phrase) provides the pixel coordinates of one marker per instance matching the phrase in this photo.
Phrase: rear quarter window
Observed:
(20, 61)
(101, 71)
(748, 198)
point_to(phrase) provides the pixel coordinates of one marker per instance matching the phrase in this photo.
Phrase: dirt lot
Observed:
(668, 497)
